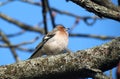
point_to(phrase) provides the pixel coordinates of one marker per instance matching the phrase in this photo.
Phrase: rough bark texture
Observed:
(99, 10)
(83, 63)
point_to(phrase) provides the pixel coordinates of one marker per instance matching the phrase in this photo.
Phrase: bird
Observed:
(53, 43)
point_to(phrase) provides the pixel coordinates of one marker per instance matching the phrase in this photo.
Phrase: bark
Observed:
(83, 63)
(100, 10)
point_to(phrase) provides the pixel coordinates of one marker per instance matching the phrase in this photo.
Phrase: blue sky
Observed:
(31, 15)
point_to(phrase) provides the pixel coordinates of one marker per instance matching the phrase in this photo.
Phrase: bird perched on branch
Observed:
(55, 42)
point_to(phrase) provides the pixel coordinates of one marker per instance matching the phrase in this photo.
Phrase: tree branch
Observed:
(83, 63)
(13, 35)
(102, 37)
(12, 49)
(20, 24)
(107, 4)
(51, 16)
(84, 18)
(20, 44)
(98, 9)
(44, 12)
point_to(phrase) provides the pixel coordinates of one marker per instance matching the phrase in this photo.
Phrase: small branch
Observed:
(44, 11)
(74, 25)
(83, 64)
(5, 39)
(25, 49)
(32, 2)
(93, 36)
(98, 10)
(20, 24)
(85, 18)
(16, 34)
(50, 12)
(73, 15)
(13, 35)
(23, 43)
(17, 46)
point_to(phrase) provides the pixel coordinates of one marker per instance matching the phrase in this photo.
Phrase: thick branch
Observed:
(84, 63)
(98, 10)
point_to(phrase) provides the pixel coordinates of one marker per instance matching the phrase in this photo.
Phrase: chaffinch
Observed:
(55, 42)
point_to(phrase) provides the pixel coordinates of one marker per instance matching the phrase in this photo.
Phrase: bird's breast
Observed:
(55, 45)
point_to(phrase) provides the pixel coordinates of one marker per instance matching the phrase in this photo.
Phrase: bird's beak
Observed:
(67, 29)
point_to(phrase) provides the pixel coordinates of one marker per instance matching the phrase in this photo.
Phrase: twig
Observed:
(44, 11)
(73, 15)
(16, 34)
(20, 24)
(75, 24)
(25, 49)
(5, 39)
(65, 12)
(50, 12)
(12, 35)
(86, 20)
(93, 36)
(40, 30)
(31, 2)
(17, 45)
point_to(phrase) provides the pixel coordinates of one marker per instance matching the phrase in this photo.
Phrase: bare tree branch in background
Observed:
(41, 30)
(64, 12)
(14, 35)
(23, 43)
(18, 46)
(20, 24)
(51, 15)
(44, 13)
(12, 49)
(102, 37)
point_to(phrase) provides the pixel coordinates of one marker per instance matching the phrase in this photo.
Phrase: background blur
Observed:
(32, 15)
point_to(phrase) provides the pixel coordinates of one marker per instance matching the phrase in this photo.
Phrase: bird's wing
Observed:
(45, 39)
